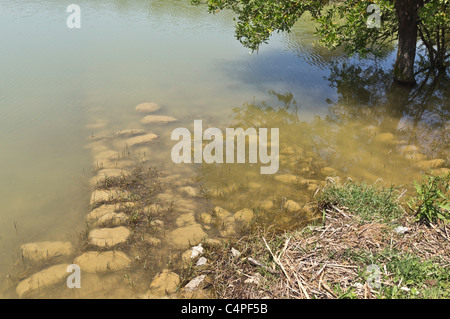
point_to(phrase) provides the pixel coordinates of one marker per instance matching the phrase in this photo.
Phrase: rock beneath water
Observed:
(45, 250)
(154, 208)
(384, 138)
(184, 205)
(141, 139)
(254, 185)
(328, 171)
(426, 165)
(286, 178)
(148, 107)
(206, 218)
(185, 220)
(292, 206)
(157, 223)
(221, 213)
(109, 237)
(312, 187)
(93, 261)
(153, 241)
(112, 219)
(244, 215)
(106, 155)
(189, 191)
(129, 133)
(98, 212)
(158, 119)
(266, 205)
(164, 283)
(42, 279)
(101, 196)
(187, 236)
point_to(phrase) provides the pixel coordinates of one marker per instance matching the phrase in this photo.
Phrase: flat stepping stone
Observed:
(141, 139)
(165, 282)
(98, 212)
(44, 250)
(109, 237)
(185, 237)
(112, 219)
(99, 196)
(158, 119)
(42, 279)
(129, 133)
(95, 262)
(148, 107)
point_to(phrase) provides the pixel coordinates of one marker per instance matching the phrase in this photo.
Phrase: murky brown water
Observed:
(67, 95)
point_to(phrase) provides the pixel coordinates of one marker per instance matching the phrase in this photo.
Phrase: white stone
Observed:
(202, 261)
(195, 283)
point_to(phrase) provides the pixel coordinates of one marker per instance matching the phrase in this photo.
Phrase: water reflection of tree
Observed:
(369, 103)
(420, 115)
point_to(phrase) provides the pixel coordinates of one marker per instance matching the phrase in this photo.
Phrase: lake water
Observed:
(60, 87)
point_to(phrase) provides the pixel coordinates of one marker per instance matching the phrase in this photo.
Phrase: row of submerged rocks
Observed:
(107, 221)
(105, 254)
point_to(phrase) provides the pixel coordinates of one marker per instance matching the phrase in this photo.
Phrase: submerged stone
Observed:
(426, 165)
(44, 250)
(266, 205)
(158, 119)
(244, 215)
(184, 237)
(384, 138)
(148, 107)
(141, 139)
(109, 237)
(129, 133)
(42, 279)
(221, 213)
(291, 206)
(93, 261)
(112, 219)
(165, 282)
(189, 191)
(100, 196)
(98, 212)
(286, 178)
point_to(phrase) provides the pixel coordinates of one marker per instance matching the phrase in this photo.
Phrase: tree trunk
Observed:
(407, 13)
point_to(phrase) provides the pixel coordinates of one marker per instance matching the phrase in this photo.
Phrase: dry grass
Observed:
(326, 261)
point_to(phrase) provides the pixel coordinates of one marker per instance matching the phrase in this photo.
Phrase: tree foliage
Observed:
(340, 23)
